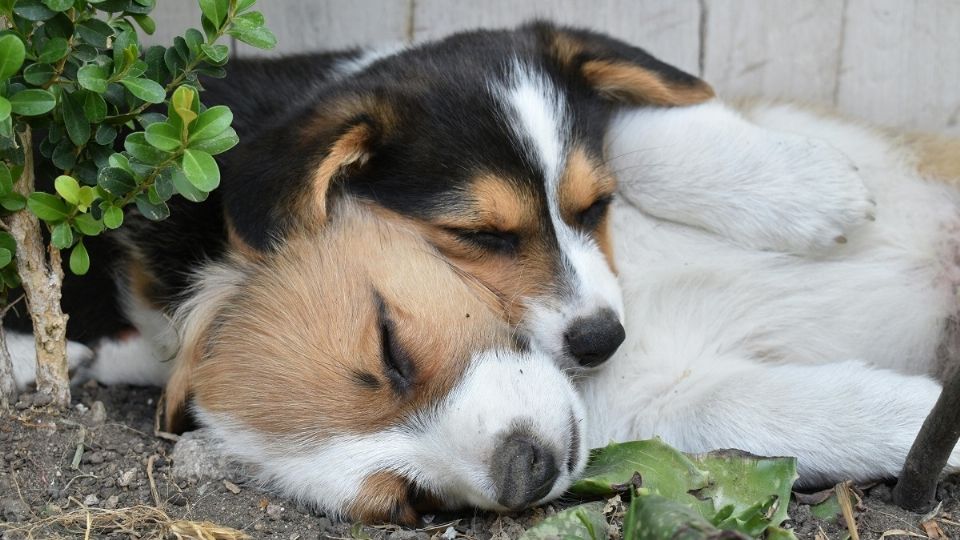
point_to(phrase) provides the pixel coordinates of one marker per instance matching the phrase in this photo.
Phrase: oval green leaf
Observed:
(32, 102)
(79, 259)
(6, 256)
(58, 5)
(54, 50)
(61, 236)
(136, 144)
(219, 144)
(12, 53)
(47, 207)
(211, 122)
(4, 108)
(13, 202)
(163, 136)
(201, 170)
(145, 89)
(94, 107)
(78, 128)
(185, 188)
(116, 181)
(38, 74)
(88, 225)
(68, 188)
(113, 217)
(93, 77)
(152, 211)
(33, 10)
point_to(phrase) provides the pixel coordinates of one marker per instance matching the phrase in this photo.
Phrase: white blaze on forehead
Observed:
(540, 118)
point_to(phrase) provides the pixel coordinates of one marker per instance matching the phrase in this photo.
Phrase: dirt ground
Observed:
(101, 467)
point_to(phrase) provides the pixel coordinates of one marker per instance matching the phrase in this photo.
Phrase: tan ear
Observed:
(635, 85)
(348, 152)
(620, 72)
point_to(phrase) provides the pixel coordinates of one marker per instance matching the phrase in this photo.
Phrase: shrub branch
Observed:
(42, 275)
(917, 488)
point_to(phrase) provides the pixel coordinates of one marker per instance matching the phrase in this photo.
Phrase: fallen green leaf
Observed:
(730, 489)
(585, 521)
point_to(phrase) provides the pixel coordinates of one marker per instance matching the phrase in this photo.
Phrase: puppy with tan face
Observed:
(358, 371)
(490, 141)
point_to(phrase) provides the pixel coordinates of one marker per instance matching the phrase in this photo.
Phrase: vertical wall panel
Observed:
(773, 48)
(310, 25)
(901, 63)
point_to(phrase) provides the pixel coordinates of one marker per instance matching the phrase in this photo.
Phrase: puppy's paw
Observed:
(816, 198)
(23, 353)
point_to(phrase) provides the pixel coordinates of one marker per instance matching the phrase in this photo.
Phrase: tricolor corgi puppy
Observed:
(412, 393)
(493, 142)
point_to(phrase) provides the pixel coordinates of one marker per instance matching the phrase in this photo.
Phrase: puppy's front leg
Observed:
(842, 421)
(707, 167)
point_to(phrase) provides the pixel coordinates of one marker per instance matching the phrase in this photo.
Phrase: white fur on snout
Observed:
(445, 449)
(502, 392)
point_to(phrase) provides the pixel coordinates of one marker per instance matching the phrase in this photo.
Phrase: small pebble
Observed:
(231, 487)
(449, 534)
(98, 414)
(13, 509)
(274, 511)
(127, 478)
(91, 500)
(112, 502)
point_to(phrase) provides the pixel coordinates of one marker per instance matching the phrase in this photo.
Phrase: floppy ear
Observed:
(620, 72)
(286, 177)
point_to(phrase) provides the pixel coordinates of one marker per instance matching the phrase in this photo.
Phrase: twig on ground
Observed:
(153, 484)
(846, 508)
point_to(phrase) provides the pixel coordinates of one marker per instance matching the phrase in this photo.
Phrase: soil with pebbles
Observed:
(96, 458)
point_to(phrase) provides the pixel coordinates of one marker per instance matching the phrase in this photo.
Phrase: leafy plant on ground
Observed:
(722, 494)
(120, 125)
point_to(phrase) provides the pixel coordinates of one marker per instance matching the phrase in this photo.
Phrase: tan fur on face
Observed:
(288, 351)
(584, 181)
(383, 498)
(497, 204)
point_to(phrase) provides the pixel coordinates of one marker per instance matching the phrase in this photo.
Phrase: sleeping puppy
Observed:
(492, 142)
(830, 357)
(346, 365)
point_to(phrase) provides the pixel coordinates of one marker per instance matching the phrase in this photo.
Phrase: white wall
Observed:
(894, 62)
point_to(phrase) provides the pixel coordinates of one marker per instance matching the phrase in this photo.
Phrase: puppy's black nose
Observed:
(593, 340)
(523, 470)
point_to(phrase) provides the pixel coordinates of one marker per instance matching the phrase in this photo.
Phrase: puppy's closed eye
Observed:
(590, 217)
(398, 365)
